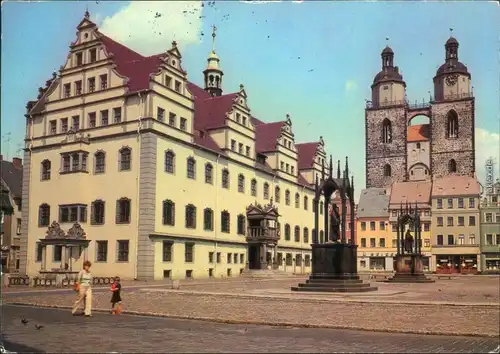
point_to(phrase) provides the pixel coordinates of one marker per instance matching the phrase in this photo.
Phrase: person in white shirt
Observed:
(84, 287)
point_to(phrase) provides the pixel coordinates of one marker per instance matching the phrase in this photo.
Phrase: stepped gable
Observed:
(266, 136)
(306, 152)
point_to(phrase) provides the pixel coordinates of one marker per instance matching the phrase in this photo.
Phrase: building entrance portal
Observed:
(253, 257)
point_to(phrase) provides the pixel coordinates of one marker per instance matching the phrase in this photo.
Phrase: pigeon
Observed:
(38, 327)
(24, 321)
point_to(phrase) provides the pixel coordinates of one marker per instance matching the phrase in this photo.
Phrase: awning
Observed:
(5, 205)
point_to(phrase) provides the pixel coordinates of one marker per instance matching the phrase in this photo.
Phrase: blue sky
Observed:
(314, 60)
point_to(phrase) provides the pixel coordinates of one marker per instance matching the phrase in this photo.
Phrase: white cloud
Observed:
(487, 145)
(350, 85)
(149, 27)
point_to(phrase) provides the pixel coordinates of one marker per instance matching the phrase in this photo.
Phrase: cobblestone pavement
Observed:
(395, 317)
(125, 333)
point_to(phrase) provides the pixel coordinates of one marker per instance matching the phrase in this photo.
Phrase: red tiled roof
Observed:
(454, 186)
(306, 152)
(266, 136)
(418, 133)
(410, 192)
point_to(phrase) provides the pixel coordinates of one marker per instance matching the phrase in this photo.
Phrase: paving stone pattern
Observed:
(124, 333)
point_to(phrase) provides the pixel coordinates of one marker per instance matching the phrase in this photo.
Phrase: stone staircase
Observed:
(265, 273)
(409, 278)
(334, 284)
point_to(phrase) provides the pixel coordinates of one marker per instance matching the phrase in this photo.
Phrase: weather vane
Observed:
(451, 31)
(214, 30)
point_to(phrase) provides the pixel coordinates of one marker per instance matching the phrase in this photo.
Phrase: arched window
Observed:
(387, 170)
(452, 166)
(46, 167)
(125, 159)
(44, 215)
(241, 224)
(277, 195)
(306, 202)
(266, 190)
(452, 125)
(225, 178)
(208, 219)
(287, 197)
(191, 168)
(287, 232)
(100, 162)
(296, 234)
(241, 183)
(253, 187)
(386, 131)
(208, 173)
(306, 235)
(190, 216)
(297, 200)
(225, 224)
(168, 213)
(169, 162)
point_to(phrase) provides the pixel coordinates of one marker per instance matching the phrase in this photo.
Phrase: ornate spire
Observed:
(346, 167)
(87, 14)
(338, 169)
(331, 167)
(213, 74)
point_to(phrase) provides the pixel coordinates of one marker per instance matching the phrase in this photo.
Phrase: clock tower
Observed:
(452, 120)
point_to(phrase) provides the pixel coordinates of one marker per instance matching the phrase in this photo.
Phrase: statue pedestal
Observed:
(409, 269)
(334, 269)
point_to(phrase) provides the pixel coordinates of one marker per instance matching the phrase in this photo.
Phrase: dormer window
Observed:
(247, 152)
(79, 59)
(244, 121)
(177, 86)
(240, 148)
(168, 81)
(67, 90)
(238, 117)
(93, 55)
(104, 81)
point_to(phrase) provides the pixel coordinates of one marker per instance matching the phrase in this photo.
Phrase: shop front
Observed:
(456, 264)
(491, 263)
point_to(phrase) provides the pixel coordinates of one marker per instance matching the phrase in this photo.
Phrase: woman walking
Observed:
(84, 287)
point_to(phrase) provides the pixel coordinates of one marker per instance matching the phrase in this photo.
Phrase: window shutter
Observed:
(118, 211)
(103, 212)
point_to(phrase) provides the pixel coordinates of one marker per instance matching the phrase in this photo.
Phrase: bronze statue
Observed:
(335, 223)
(408, 242)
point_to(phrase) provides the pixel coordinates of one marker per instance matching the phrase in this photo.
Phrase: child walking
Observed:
(116, 299)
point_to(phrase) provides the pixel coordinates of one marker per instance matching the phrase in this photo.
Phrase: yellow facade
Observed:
(130, 237)
(376, 247)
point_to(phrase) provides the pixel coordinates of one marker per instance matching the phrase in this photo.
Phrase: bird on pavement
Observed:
(24, 321)
(38, 327)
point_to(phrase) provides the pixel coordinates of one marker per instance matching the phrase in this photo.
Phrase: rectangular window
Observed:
(104, 117)
(97, 217)
(427, 226)
(440, 240)
(102, 251)
(242, 257)
(461, 221)
(123, 250)
(104, 81)
(167, 251)
(233, 145)
(188, 252)
(93, 55)
(183, 124)
(18, 226)
(78, 87)
(57, 253)
(489, 239)
(372, 225)
(91, 83)
(229, 258)
(240, 148)
(427, 243)
(210, 257)
(288, 259)
(172, 119)
(363, 226)
(472, 203)
(235, 258)
(460, 203)
(39, 252)
(394, 227)
(67, 90)
(168, 81)
(53, 127)
(64, 125)
(363, 242)
(439, 221)
(247, 152)
(451, 240)
(439, 204)
(488, 217)
(218, 257)
(72, 213)
(75, 123)
(177, 86)
(372, 243)
(92, 120)
(382, 242)
(117, 115)
(160, 114)
(79, 59)
(450, 203)
(472, 240)
(449, 221)
(382, 225)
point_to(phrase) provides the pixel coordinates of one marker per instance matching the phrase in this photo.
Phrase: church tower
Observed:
(385, 126)
(213, 74)
(452, 124)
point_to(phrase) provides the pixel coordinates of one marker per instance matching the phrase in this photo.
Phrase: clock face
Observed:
(451, 80)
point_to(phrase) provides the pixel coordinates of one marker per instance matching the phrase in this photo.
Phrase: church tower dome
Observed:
(213, 73)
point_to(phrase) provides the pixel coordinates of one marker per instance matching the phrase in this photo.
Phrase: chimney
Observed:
(17, 162)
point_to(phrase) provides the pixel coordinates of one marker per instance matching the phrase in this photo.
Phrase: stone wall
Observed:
(379, 154)
(460, 149)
